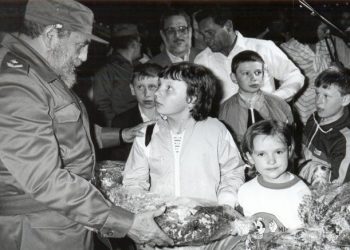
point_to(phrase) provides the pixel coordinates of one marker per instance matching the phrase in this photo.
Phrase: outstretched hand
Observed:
(144, 230)
(129, 134)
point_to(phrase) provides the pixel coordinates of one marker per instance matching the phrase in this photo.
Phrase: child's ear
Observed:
(233, 77)
(250, 159)
(132, 89)
(346, 100)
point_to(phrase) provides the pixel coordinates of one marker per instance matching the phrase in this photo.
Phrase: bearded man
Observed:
(47, 159)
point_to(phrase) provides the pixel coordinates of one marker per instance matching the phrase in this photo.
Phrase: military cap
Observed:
(125, 29)
(72, 15)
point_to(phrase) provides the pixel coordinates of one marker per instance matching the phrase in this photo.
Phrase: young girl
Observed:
(190, 154)
(273, 197)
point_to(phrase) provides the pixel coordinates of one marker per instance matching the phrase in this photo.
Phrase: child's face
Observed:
(171, 98)
(144, 89)
(270, 157)
(330, 103)
(249, 76)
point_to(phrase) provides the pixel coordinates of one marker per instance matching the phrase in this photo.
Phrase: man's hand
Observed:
(144, 230)
(129, 134)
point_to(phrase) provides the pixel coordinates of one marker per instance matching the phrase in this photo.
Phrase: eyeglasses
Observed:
(182, 30)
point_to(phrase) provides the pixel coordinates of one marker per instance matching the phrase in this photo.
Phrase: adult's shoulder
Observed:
(13, 64)
(162, 59)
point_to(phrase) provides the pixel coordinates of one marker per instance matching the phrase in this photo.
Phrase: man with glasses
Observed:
(176, 33)
(225, 42)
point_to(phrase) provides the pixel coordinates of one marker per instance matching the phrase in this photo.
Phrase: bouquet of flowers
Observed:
(108, 174)
(326, 216)
(189, 222)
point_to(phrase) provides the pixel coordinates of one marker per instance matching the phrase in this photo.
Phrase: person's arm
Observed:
(231, 169)
(107, 137)
(102, 94)
(281, 68)
(340, 158)
(31, 153)
(136, 173)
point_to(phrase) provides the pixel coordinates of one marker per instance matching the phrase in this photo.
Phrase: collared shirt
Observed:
(176, 59)
(277, 66)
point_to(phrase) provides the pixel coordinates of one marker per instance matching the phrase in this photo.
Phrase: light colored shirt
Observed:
(210, 165)
(176, 59)
(281, 200)
(277, 66)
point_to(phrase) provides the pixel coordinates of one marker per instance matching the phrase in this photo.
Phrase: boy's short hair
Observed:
(266, 127)
(335, 75)
(245, 56)
(142, 71)
(201, 83)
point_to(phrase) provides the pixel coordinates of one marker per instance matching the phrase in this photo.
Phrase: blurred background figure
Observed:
(111, 91)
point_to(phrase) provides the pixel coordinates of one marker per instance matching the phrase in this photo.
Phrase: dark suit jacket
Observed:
(163, 59)
(127, 119)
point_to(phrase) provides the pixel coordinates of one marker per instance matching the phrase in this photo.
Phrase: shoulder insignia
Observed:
(13, 63)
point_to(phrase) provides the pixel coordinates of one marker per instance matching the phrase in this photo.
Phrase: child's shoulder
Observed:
(249, 185)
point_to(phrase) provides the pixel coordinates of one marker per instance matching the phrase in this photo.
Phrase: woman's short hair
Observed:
(201, 84)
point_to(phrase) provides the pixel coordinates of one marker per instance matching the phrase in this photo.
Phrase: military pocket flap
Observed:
(69, 113)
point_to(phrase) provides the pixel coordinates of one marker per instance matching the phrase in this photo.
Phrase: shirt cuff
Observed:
(118, 223)
(107, 137)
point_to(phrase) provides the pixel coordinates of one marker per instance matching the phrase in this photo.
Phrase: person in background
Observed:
(273, 197)
(327, 132)
(111, 91)
(176, 33)
(224, 42)
(250, 104)
(144, 85)
(47, 158)
(305, 44)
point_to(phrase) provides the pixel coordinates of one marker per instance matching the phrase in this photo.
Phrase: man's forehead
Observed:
(173, 21)
(78, 37)
(208, 23)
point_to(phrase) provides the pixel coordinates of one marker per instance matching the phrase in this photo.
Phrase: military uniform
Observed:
(47, 160)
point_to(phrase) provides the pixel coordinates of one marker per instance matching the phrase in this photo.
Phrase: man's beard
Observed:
(63, 64)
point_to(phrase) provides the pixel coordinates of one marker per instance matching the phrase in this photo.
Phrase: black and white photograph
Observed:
(174, 125)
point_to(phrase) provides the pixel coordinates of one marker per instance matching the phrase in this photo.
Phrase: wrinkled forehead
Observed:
(175, 21)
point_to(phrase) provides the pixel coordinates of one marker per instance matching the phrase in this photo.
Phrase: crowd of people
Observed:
(247, 123)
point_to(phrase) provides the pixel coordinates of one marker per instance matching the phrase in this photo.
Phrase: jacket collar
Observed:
(21, 49)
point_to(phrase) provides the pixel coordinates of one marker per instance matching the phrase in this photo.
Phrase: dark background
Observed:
(250, 17)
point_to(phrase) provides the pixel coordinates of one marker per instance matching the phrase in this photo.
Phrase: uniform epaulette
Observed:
(12, 63)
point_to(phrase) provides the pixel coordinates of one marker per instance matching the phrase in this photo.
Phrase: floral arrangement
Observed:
(326, 216)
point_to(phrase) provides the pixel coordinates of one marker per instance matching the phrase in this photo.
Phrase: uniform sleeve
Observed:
(231, 169)
(102, 89)
(136, 172)
(281, 68)
(30, 152)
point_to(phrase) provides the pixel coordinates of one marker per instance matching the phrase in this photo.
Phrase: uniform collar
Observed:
(21, 49)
